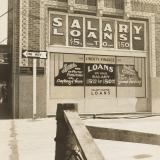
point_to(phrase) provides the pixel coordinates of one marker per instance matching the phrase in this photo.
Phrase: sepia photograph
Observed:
(80, 79)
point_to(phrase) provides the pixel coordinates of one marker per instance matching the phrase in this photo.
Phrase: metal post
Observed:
(34, 88)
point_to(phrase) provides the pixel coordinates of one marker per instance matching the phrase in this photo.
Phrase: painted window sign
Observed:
(128, 76)
(92, 32)
(138, 36)
(99, 74)
(129, 72)
(123, 29)
(108, 34)
(93, 70)
(71, 74)
(58, 29)
(75, 27)
(96, 32)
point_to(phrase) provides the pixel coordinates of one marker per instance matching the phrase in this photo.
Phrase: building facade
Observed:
(101, 54)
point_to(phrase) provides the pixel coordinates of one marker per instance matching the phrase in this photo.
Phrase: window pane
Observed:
(67, 76)
(131, 77)
(100, 76)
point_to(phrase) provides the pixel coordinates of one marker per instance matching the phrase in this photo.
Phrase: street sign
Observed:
(35, 54)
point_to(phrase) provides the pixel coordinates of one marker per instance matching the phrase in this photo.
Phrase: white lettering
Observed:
(108, 28)
(137, 29)
(89, 26)
(123, 28)
(55, 32)
(75, 24)
(108, 35)
(92, 35)
(123, 37)
(57, 22)
(75, 33)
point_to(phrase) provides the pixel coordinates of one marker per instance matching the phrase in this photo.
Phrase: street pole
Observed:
(34, 55)
(34, 88)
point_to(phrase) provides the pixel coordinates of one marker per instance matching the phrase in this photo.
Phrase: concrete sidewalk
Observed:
(27, 139)
(34, 140)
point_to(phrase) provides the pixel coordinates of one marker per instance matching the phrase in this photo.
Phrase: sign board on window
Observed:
(57, 29)
(75, 28)
(71, 74)
(99, 70)
(138, 36)
(108, 31)
(123, 29)
(92, 32)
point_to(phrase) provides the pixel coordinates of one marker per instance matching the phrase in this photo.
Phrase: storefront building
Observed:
(101, 54)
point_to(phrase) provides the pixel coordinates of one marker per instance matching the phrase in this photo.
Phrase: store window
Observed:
(95, 76)
(93, 32)
(67, 76)
(131, 77)
(100, 76)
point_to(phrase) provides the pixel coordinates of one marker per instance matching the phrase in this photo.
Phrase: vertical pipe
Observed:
(34, 88)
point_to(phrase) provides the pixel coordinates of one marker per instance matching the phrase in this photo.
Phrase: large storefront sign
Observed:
(89, 31)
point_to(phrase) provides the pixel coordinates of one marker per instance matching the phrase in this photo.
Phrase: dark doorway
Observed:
(5, 107)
